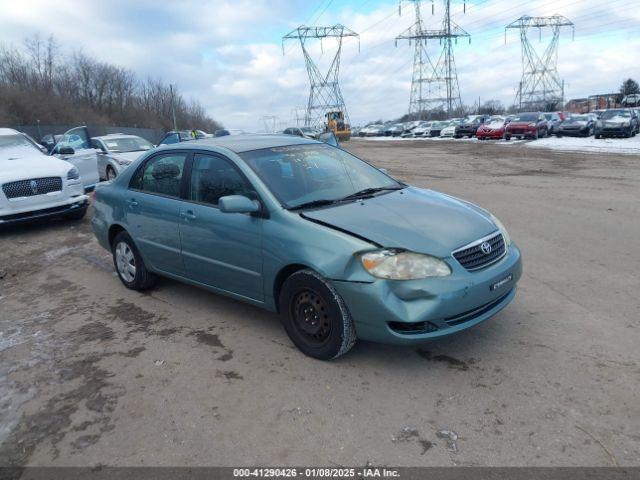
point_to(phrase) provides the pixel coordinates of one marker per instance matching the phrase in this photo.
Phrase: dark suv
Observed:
(469, 126)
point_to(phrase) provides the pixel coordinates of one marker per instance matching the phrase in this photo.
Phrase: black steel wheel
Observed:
(315, 316)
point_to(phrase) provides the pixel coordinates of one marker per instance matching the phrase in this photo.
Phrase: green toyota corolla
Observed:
(339, 248)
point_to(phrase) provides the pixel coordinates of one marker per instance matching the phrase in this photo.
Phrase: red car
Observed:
(529, 124)
(492, 130)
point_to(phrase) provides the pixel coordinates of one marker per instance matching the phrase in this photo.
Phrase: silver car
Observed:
(117, 151)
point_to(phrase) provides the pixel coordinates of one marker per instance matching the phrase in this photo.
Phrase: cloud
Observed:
(228, 55)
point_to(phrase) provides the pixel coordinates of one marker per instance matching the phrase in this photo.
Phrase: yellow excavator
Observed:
(337, 125)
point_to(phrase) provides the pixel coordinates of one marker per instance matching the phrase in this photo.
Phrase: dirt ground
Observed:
(92, 373)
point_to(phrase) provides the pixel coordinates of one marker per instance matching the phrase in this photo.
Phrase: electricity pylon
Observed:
(324, 93)
(433, 86)
(541, 87)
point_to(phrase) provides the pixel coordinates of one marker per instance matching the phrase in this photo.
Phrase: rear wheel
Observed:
(129, 264)
(315, 316)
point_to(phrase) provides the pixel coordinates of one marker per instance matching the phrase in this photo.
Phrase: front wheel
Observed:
(129, 264)
(111, 173)
(315, 316)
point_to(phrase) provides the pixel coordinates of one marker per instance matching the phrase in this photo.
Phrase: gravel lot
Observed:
(91, 373)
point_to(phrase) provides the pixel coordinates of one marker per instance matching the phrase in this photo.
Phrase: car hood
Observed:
(574, 122)
(414, 219)
(26, 163)
(520, 124)
(128, 156)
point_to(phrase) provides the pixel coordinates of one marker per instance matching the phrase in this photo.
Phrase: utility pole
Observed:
(324, 92)
(433, 86)
(173, 107)
(541, 84)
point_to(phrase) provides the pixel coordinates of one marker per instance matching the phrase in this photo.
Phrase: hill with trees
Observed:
(39, 83)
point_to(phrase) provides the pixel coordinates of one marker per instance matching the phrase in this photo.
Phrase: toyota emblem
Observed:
(34, 187)
(486, 248)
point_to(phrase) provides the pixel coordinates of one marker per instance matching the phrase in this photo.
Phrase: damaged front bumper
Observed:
(415, 311)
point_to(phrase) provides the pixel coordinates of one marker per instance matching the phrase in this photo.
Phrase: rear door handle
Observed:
(132, 202)
(188, 215)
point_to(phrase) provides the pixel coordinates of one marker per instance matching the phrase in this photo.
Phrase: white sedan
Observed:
(34, 185)
(117, 151)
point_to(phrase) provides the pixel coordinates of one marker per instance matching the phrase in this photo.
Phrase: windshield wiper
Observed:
(370, 191)
(314, 203)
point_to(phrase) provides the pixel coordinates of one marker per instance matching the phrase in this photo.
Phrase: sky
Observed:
(228, 55)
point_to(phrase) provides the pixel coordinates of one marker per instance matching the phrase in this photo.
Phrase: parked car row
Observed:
(51, 178)
(619, 122)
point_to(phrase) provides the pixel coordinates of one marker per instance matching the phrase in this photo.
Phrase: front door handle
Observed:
(188, 215)
(132, 202)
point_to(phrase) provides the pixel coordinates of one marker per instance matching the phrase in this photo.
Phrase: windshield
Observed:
(579, 118)
(549, 116)
(307, 129)
(15, 141)
(127, 144)
(615, 113)
(298, 174)
(525, 117)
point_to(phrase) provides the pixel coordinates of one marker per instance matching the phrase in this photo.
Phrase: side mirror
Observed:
(328, 138)
(66, 151)
(238, 204)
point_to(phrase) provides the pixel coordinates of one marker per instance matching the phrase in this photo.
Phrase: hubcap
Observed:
(125, 262)
(311, 316)
(110, 174)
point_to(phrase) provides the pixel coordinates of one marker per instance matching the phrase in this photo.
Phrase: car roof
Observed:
(8, 131)
(246, 143)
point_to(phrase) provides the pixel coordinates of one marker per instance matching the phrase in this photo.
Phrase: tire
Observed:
(598, 136)
(111, 173)
(140, 278)
(77, 215)
(507, 137)
(315, 316)
(536, 135)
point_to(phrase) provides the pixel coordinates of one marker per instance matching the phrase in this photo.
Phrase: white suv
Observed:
(34, 185)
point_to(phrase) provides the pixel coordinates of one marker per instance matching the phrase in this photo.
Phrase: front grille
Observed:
(517, 131)
(473, 257)
(29, 188)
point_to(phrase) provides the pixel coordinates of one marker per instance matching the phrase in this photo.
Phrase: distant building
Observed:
(604, 101)
(577, 105)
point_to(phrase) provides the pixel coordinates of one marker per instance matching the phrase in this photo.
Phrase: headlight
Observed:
(73, 174)
(122, 161)
(626, 124)
(400, 265)
(503, 230)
